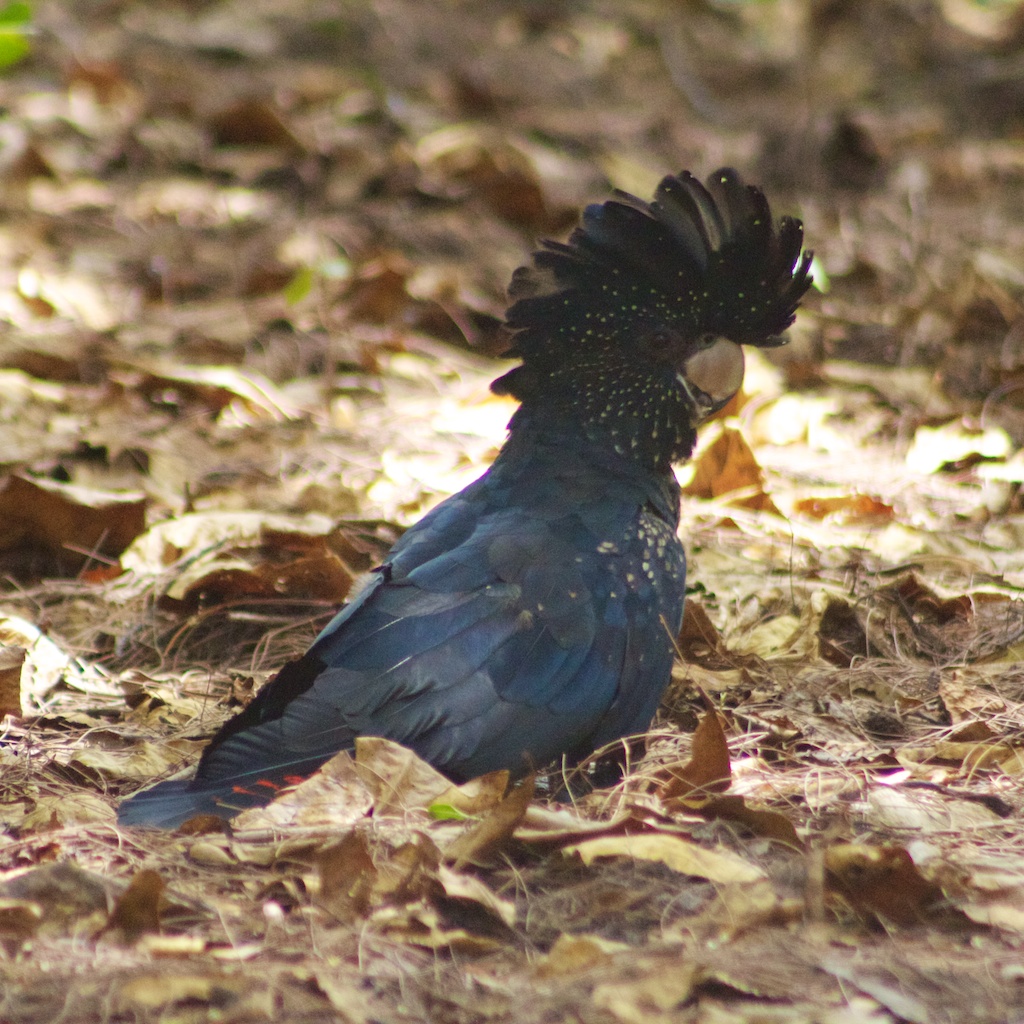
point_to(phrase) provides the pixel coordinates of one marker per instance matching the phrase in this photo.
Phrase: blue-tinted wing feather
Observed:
(504, 631)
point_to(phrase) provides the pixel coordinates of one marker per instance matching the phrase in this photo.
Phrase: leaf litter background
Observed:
(251, 282)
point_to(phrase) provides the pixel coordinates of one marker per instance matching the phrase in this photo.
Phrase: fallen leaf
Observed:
(476, 796)
(577, 954)
(708, 770)
(966, 696)
(555, 825)
(215, 388)
(847, 508)
(11, 661)
(1007, 917)
(934, 447)
(19, 920)
(726, 469)
(422, 924)
(137, 911)
(334, 797)
(35, 665)
(398, 780)
(172, 945)
(71, 900)
(687, 858)
(347, 876)
(880, 880)
(700, 643)
(253, 123)
(760, 821)
(145, 993)
(478, 841)
(76, 523)
(53, 811)
(658, 992)
(470, 889)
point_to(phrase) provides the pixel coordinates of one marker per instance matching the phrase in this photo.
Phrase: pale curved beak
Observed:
(716, 373)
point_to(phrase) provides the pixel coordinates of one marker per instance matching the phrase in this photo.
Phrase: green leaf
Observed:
(445, 812)
(299, 286)
(15, 14)
(15, 26)
(12, 48)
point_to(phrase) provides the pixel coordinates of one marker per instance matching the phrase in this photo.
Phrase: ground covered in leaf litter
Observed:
(253, 264)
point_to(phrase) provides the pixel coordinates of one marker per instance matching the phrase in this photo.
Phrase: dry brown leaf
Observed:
(761, 822)
(708, 770)
(225, 579)
(653, 998)
(925, 810)
(577, 954)
(926, 603)
(478, 795)
(74, 522)
(398, 780)
(347, 876)
(422, 924)
(559, 825)
(19, 920)
(53, 811)
(215, 388)
(1006, 916)
(137, 910)
(404, 872)
(12, 659)
(464, 158)
(848, 508)
(737, 908)
(720, 866)
(727, 469)
(406, 891)
(477, 843)
(178, 946)
(966, 696)
(145, 993)
(880, 880)
(334, 797)
(199, 533)
(471, 890)
(842, 638)
(347, 996)
(935, 447)
(1012, 763)
(253, 122)
(28, 164)
(883, 989)
(244, 555)
(693, 786)
(35, 665)
(144, 759)
(782, 636)
(378, 291)
(72, 900)
(700, 643)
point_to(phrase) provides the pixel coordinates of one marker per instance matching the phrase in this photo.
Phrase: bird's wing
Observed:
(505, 650)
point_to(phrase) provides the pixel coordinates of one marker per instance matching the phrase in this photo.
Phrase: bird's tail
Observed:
(169, 804)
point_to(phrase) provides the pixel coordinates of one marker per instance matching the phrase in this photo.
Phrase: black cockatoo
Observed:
(531, 616)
